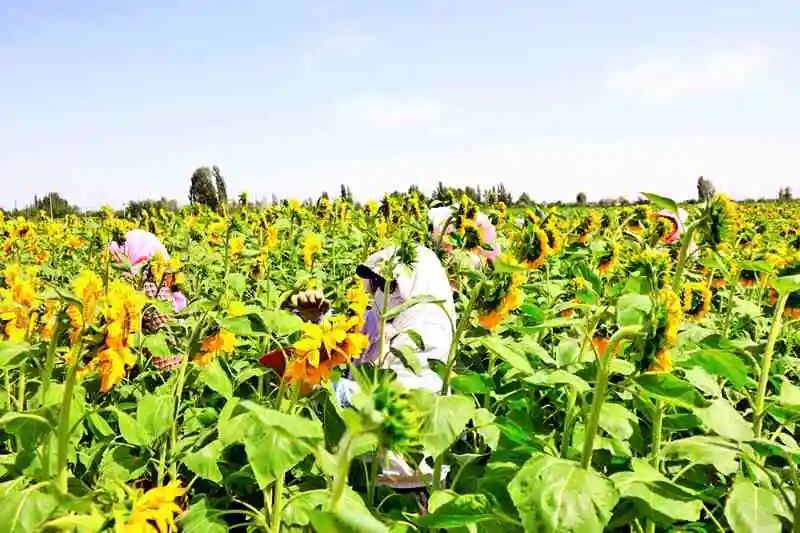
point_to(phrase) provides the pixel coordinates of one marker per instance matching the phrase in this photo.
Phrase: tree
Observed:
(53, 205)
(136, 208)
(524, 200)
(440, 194)
(581, 198)
(705, 189)
(222, 191)
(243, 199)
(202, 190)
(345, 193)
(502, 194)
(785, 194)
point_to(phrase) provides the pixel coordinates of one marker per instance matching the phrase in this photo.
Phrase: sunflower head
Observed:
(587, 226)
(662, 363)
(724, 221)
(533, 248)
(391, 413)
(748, 277)
(638, 220)
(654, 265)
(555, 240)
(791, 268)
(407, 251)
(607, 255)
(660, 228)
(669, 316)
(696, 300)
(500, 295)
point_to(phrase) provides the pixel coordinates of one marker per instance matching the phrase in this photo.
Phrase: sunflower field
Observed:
(618, 369)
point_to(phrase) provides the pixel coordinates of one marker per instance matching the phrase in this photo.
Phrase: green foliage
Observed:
(591, 405)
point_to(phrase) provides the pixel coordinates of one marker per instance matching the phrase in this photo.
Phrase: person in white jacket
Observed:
(434, 322)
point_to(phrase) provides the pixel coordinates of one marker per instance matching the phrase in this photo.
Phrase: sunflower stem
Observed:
(766, 363)
(340, 477)
(64, 428)
(569, 420)
(658, 424)
(50, 358)
(180, 380)
(277, 503)
(373, 476)
(598, 399)
(382, 328)
(463, 323)
(682, 255)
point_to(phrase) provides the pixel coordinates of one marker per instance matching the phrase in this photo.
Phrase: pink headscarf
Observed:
(677, 223)
(138, 248)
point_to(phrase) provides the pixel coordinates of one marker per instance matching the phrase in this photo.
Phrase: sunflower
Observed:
(748, 277)
(533, 247)
(122, 314)
(662, 362)
(272, 237)
(696, 300)
(671, 316)
(399, 422)
(236, 246)
(655, 265)
(724, 221)
(17, 301)
(312, 244)
(324, 346)
(602, 337)
(638, 220)
(587, 226)
(155, 510)
(715, 281)
(358, 299)
(88, 287)
(609, 257)
(662, 228)
(499, 297)
(223, 341)
(555, 240)
(792, 309)
(382, 229)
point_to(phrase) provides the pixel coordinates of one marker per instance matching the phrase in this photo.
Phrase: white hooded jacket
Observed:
(433, 322)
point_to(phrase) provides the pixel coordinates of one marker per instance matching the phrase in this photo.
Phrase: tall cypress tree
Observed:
(202, 190)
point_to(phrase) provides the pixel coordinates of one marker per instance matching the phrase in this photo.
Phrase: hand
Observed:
(310, 305)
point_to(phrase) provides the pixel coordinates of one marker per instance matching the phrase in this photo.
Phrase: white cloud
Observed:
(390, 112)
(668, 76)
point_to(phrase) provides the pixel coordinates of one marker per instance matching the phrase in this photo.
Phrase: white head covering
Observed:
(437, 217)
(434, 322)
(426, 277)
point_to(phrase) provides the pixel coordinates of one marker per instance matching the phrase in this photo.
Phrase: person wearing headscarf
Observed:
(434, 322)
(133, 258)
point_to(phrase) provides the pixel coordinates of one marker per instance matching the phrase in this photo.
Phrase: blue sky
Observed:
(111, 101)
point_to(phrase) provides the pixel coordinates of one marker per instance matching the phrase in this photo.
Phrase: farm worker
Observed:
(138, 248)
(441, 223)
(133, 257)
(677, 220)
(434, 322)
